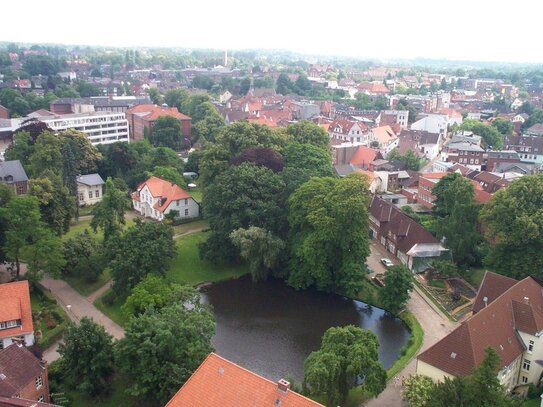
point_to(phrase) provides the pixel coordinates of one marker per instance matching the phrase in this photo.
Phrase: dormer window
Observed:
(10, 324)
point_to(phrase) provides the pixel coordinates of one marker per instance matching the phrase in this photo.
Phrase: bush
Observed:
(109, 298)
(533, 391)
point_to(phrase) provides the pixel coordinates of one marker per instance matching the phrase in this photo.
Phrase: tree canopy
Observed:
(329, 241)
(398, 284)
(346, 353)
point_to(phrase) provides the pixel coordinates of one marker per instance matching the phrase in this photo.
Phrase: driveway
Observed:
(434, 325)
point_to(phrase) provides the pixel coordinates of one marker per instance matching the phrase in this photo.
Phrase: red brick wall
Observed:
(425, 196)
(4, 113)
(31, 393)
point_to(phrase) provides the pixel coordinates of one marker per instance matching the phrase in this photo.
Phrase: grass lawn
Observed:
(532, 403)
(187, 227)
(196, 193)
(474, 277)
(79, 226)
(84, 287)
(438, 283)
(369, 293)
(85, 210)
(186, 268)
(45, 309)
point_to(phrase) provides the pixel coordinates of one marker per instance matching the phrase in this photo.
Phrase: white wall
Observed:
(84, 190)
(29, 340)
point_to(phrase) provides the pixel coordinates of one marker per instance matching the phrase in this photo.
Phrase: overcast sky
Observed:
(454, 29)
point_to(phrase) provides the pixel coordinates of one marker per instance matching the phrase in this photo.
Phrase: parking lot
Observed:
(374, 259)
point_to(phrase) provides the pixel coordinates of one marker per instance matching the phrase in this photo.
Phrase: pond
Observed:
(270, 328)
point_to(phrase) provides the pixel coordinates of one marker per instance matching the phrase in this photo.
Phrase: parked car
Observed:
(387, 262)
(369, 270)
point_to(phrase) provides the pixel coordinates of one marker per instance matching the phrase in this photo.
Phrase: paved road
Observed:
(434, 325)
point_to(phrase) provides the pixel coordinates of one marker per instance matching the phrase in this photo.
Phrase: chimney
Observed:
(526, 300)
(283, 385)
(485, 300)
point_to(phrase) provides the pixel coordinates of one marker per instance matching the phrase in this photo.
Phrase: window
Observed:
(524, 379)
(531, 346)
(526, 364)
(10, 324)
(90, 194)
(186, 201)
(81, 196)
(186, 212)
(177, 202)
(41, 399)
(97, 193)
(39, 382)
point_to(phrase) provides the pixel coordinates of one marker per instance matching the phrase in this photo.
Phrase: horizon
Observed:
(365, 32)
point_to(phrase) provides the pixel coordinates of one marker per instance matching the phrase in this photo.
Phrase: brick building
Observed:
(23, 375)
(141, 117)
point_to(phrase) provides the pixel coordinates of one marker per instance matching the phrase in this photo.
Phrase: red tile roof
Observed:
(20, 368)
(154, 112)
(492, 286)
(15, 304)
(518, 308)
(159, 188)
(220, 383)
(363, 156)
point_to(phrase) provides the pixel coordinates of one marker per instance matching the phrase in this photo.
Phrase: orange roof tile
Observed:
(220, 383)
(159, 188)
(154, 112)
(15, 304)
(363, 156)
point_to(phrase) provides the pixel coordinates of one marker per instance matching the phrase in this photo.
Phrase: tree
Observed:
(306, 132)
(457, 216)
(260, 156)
(108, 214)
(6, 195)
(260, 248)
(490, 134)
(26, 233)
(329, 241)
(156, 293)
(242, 196)
(417, 390)
(176, 98)
(410, 159)
(302, 85)
(40, 65)
(504, 126)
(346, 353)
(87, 357)
(155, 96)
(398, 284)
(403, 104)
(146, 247)
(167, 133)
(514, 225)
(169, 174)
(244, 86)
(162, 348)
(284, 84)
(84, 256)
(46, 155)
(56, 204)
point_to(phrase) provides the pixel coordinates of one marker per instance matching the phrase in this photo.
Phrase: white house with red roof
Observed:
(15, 314)
(155, 197)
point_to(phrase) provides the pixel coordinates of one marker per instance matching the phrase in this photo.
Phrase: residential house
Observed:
(420, 142)
(142, 118)
(4, 112)
(219, 383)
(508, 317)
(22, 375)
(535, 130)
(529, 148)
(373, 88)
(466, 137)
(155, 198)
(348, 130)
(503, 156)
(13, 173)
(468, 154)
(15, 314)
(427, 182)
(225, 96)
(384, 138)
(433, 123)
(490, 182)
(399, 117)
(89, 189)
(403, 237)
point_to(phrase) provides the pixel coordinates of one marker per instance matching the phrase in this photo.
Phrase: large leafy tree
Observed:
(306, 132)
(146, 247)
(260, 248)
(242, 196)
(328, 220)
(162, 348)
(84, 256)
(108, 214)
(26, 233)
(457, 215)
(513, 220)
(6, 194)
(87, 357)
(167, 133)
(492, 138)
(56, 203)
(346, 353)
(398, 284)
(417, 390)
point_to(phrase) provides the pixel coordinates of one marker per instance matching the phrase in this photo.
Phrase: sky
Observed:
(477, 30)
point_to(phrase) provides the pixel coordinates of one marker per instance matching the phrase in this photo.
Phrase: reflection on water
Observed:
(271, 328)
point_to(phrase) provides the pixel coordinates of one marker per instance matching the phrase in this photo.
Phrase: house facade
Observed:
(403, 237)
(89, 189)
(15, 314)
(347, 130)
(508, 317)
(155, 198)
(22, 375)
(13, 174)
(529, 148)
(142, 118)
